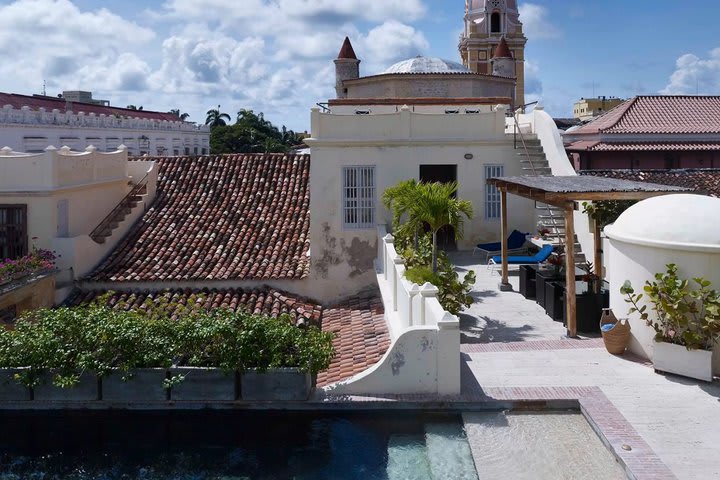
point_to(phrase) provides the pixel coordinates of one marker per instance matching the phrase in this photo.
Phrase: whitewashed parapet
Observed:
(58, 168)
(27, 116)
(424, 356)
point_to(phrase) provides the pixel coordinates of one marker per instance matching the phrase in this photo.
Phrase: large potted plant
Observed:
(686, 322)
(280, 360)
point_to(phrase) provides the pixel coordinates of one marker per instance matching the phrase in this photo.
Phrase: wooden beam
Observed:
(505, 282)
(570, 299)
(600, 196)
(598, 254)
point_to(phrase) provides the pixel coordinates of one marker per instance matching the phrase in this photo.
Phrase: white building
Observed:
(31, 123)
(425, 119)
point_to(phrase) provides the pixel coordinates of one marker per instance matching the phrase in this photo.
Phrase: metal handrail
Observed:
(517, 131)
(123, 204)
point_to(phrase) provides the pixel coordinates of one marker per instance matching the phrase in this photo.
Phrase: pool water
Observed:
(234, 445)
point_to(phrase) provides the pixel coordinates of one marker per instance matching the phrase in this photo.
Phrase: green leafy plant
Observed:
(606, 212)
(683, 315)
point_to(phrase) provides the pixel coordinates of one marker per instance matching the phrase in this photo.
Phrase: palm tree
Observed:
(435, 205)
(215, 118)
(399, 199)
(181, 116)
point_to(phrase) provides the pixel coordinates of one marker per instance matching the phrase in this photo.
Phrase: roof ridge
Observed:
(626, 106)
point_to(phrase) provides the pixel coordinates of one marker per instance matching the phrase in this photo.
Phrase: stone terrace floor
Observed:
(511, 348)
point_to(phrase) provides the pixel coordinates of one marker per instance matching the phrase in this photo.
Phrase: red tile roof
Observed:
(361, 340)
(51, 103)
(706, 181)
(265, 301)
(347, 52)
(586, 146)
(235, 217)
(502, 50)
(659, 115)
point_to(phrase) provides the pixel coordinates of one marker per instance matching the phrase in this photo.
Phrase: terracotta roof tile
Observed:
(361, 340)
(594, 146)
(502, 50)
(705, 181)
(235, 217)
(660, 115)
(265, 301)
(347, 52)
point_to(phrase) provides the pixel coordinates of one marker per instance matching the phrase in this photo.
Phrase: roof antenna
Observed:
(44, 89)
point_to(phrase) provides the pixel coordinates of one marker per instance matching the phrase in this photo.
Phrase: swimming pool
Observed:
(388, 445)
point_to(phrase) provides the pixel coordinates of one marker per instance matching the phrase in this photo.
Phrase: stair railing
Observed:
(518, 133)
(103, 225)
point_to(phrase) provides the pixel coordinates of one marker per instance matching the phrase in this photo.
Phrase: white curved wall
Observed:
(639, 263)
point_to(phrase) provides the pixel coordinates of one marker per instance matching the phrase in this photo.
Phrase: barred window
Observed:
(358, 197)
(492, 194)
(13, 231)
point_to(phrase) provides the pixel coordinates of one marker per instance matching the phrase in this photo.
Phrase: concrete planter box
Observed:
(679, 360)
(85, 391)
(10, 389)
(144, 385)
(204, 384)
(282, 384)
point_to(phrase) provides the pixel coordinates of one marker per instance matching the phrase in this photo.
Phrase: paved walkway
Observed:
(511, 345)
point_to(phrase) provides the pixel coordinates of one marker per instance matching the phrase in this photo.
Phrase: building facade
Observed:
(586, 109)
(31, 123)
(487, 22)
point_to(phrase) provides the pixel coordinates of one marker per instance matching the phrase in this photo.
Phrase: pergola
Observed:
(563, 193)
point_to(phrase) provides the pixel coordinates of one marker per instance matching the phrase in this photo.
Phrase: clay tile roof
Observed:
(361, 339)
(233, 217)
(660, 115)
(644, 146)
(347, 52)
(502, 50)
(260, 301)
(706, 181)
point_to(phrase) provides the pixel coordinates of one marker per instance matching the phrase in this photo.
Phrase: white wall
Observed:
(640, 263)
(397, 145)
(33, 130)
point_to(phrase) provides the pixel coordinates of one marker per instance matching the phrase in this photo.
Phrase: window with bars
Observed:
(358, 197)
(13, 231)
(492, 194)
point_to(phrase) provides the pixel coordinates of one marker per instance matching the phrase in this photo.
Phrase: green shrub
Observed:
(99, 339)
(684, 316)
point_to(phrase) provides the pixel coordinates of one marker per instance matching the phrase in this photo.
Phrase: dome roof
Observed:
(421, 64)
(677, 222)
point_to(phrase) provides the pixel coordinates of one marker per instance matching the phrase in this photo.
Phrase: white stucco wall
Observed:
(397, 145)
(26, 130)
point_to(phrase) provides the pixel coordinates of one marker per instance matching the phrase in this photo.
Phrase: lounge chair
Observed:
(536, 259)
(516, 244)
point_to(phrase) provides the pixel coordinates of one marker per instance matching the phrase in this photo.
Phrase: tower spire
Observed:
(347, 67)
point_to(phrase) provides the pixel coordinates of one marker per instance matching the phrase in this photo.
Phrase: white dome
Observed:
(677, 222)
(421, 64)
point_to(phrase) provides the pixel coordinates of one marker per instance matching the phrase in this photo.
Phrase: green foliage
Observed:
(684, 316)
(453, 294)
(95, 338)
(252, 134)
(216, 118)
(606, 212)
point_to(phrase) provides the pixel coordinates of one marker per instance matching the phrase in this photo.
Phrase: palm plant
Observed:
(435, 205)
(215, 118)
(181, 116)
(398, 200)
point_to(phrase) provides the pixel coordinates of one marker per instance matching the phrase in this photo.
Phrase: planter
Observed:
(10, 389)
(204, 384)
(85, 391)
(527, 281)
(679, 360)
(144, 385)
(554, 304)
(276, 384)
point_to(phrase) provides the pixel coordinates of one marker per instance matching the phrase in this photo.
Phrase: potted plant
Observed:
(279, 360)
(686, 322)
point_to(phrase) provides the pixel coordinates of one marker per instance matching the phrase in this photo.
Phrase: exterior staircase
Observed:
(534, 162)
(106, 228)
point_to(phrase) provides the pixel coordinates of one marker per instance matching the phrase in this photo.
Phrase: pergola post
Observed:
(505, 282)
(570, 298)
(598, 255)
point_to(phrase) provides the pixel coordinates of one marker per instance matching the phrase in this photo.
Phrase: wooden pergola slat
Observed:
(564, 192)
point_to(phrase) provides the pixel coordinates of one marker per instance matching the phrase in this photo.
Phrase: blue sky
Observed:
(276, 56)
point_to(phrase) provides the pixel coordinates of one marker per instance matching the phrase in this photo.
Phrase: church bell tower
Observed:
(487, 22)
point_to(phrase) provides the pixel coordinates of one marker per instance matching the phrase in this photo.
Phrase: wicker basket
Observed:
(617, 339)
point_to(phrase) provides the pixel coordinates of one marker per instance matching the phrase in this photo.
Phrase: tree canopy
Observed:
(252, 133)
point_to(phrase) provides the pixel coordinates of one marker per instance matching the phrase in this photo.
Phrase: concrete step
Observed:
(407, 458)
(448, 452)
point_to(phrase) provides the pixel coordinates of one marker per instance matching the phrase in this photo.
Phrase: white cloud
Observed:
(390, 42)
(536, 22)
(695, 75)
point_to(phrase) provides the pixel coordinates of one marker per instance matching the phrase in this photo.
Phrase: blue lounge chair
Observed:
(516, 244)
(539, 257)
